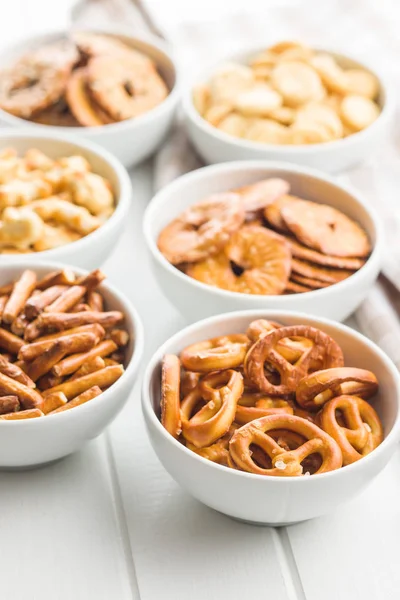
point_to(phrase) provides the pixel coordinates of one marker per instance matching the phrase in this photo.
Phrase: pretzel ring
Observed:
(170, 401)
(224, 352)
(255, 406)
(319, 387)
(284, 463)
(265, 351)
(203, 229)
(362, 432)
(261, 327)
(205, 426)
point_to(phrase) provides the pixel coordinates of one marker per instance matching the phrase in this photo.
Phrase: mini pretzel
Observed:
(203, 229)
(217, 452)
(225, 352)
(259, 328)
(362, 432)
(318, 387)
(255, 406)
(170, 390)
(286, 463)
(265, 351)
(189, 380)
(213, 420)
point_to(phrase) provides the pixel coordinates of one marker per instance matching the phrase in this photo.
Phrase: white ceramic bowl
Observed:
(197, 300)
(273, 500)
(130, 141)
(38, 441)
(92, 250)
(215, 146)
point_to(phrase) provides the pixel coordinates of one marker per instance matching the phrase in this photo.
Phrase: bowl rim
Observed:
(387, 111)
(390, 440)
(164, 195)
(130, 313)
(145, 118)
(123, 198)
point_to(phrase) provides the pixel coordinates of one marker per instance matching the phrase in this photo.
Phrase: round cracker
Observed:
(321, 273)
(325, 229)
(358, 112)
(273, 212)
(315, 284)
(297, 83)
(296, 288)
(309, 255)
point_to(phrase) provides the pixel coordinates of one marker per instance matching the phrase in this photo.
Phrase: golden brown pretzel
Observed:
(265, 351)
(362, 432)
(202, 427)
(224, 352)
(285, 463)
(170, 401)
(319, 387)
(254, 406)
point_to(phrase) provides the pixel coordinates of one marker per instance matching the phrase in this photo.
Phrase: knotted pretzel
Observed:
(265, 352)
(224, 352)
(319, 387)
(170, 401)
(286, 463)
(255, 406)
(362, 431)
(205, 426)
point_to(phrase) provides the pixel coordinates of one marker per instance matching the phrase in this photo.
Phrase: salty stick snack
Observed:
(56, 357)
(274, 401)
(258, 239)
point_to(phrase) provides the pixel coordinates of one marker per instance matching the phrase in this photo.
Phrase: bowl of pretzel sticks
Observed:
(60, 199)
(271, 417)
(291, 102)
(256, 234)
(70, 347)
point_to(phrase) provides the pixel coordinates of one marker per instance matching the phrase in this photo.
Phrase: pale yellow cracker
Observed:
(358, 112)
(258, 101)
(297, 83)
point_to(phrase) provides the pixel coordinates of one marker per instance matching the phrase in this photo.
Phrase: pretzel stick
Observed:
(109, 362)
(120, 337)
(59, 321)
(28, 397)
(73, 362)
(80, 307)
(10, 342)
(8, 404)
(48, 381)
(35, 305)
(31, 351)
(81, 399)
(103, 378)
(67, 300)
(15, 372)
(95, 301)
(56, 352)
(64, 277)
(19, 324)
(92, 328)
(92, 280)
(3, 302)
(22, 414)
(20, 294)
(53, 401)
(5, 290)
(95, 364)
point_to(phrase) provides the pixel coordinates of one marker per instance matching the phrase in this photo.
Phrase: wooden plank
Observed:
(59, 537)
(353, 553)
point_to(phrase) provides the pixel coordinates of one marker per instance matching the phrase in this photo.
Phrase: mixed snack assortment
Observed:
(59, 345)
(289, 94)
(46, 203)
(88, 80)
(259, 239)
(274, 401)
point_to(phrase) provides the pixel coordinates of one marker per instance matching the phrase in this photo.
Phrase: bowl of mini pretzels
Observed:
(262, 235)
(106, 86)
(70, 347)
(60, 199)
(271, 417)
(289, 102)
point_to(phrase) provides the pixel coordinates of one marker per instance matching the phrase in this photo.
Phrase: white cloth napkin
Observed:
(363, 28)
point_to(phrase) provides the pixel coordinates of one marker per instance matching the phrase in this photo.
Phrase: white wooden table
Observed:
(110, 524)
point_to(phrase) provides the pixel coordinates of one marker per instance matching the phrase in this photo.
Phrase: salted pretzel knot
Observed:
(170, 401)
(285, 463)
(205, 426)
(290, 348)
(265, 351)
(319, 387)
(255, 406)
(362, 432)
(224, 352)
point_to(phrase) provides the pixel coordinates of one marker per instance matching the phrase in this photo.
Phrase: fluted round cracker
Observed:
(325, 229)
(313, 256)
(321, 273)
(296, 288)
(273, 212)
(315, 284)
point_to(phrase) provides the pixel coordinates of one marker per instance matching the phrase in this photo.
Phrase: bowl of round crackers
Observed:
(257, 234)
(289, 102)
(106, 86)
